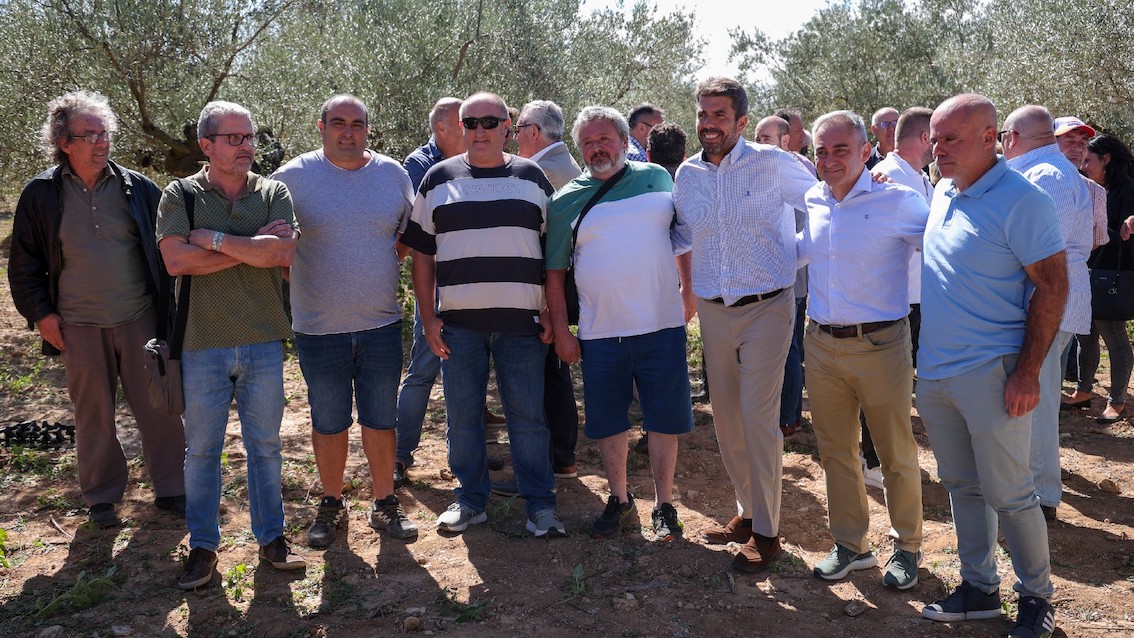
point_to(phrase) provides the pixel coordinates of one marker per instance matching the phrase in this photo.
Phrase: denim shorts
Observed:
(656, 362)
(366, 364)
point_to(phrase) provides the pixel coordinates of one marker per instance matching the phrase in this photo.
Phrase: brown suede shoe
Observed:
(757, 554)
(736, 531)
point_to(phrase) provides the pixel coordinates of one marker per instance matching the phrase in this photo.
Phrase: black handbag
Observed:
(163, 358)
(1112, 291)
(570, 290)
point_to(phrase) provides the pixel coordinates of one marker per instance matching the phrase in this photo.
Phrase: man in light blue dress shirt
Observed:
(1031, 150)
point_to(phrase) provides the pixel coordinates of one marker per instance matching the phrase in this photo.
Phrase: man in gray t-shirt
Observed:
(345, 311)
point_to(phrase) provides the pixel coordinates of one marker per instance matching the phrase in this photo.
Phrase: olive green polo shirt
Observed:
(241, 305)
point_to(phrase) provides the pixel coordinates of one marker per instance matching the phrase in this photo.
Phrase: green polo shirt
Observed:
(241, 305)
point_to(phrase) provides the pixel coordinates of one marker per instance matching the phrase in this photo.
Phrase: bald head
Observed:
(443, 123)
(486, 98)
(1029, 127)
(912, 137)
(963, 133)
(773, 130)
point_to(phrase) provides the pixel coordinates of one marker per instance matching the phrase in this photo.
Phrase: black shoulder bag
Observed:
(570, 290)
(162, 358)
(1112, 291)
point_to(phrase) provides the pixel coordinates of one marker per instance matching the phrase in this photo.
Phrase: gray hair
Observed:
(547, 116)
(591, 113)
(442, 109)
(62, 109)
(342, 98)
(845, 118)
(208, 122)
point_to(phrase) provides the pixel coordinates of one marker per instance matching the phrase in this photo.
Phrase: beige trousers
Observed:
(745, 350)
(873, 372)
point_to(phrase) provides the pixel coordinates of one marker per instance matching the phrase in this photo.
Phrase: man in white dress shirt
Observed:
(858, 345)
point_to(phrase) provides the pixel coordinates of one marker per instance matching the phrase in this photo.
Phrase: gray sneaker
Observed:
(388, 514)
(842, 561)
(901, 569)
(545, 523)
(458, 518)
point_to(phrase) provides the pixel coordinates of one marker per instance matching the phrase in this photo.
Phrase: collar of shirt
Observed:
(978, 188)
(255, 182)
(1023, 162)
(105, 173)
(864, 184)
(547, 149)
(731, 158)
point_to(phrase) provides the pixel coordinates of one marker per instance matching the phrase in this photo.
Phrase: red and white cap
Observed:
(1068, 124)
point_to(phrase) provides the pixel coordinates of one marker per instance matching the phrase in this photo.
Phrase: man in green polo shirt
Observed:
(243, 231)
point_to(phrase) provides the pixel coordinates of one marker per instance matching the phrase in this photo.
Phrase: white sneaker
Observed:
(458, 518)
(872, 476)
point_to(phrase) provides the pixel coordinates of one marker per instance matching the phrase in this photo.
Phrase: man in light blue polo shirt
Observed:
(994, 284)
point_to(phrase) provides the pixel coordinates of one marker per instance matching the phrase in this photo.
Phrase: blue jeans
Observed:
(253, 374)
(982, 458)
(519, 361)
(791, 397)
(413, 399)
(364, 366)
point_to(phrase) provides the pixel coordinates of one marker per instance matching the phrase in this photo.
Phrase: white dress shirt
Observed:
(902, 172)
(858, 251)
(741, 217)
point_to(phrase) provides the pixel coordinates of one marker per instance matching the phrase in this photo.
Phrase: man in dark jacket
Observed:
(85, 272)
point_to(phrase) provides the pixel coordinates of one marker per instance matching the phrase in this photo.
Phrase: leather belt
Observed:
(847, 332)
(744, 301)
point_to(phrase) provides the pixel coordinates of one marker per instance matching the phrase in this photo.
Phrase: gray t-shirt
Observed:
(344, 277)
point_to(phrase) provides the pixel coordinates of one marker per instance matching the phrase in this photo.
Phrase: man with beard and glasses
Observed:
(631, 327)
(737, 198)
(243, 231)
(476, 231)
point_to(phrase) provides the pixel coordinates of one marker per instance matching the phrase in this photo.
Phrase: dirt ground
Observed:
(64, 578)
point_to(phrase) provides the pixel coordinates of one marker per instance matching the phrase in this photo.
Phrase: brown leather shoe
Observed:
(757, 554)
(736, 531)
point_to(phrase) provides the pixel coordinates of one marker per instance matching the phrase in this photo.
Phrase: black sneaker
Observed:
(965, 603)
(399, 474)
(615, 518)
(102, 515)
(667, 526)
(1035, 620)
(199, 569)
(173, 504)
(388, 514)
(327, 519)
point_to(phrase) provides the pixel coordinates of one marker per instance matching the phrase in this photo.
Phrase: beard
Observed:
(605, 164)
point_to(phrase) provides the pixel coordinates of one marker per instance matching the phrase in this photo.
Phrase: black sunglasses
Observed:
(489, 122)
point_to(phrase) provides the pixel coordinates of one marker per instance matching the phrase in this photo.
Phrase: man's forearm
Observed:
(261, 251)
(1045, 311)
(556, 292)
(183, 258)
(423, 271)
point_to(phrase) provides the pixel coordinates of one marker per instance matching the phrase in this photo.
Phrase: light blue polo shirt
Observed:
(974, 289)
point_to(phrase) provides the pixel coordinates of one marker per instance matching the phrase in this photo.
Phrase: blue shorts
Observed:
(367, 365)
(656, 362)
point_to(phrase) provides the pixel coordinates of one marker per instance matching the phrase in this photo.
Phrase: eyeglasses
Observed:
(234, 139)
(93, 138)
(893, 124)
(489, 122)
(1002, 135)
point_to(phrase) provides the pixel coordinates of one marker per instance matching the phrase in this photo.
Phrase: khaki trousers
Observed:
(745, 350)
(95, 359)
(873, 372)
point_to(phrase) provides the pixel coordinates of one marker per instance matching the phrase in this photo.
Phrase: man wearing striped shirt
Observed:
(475, 231)
(737, 199)
(1030, 148)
